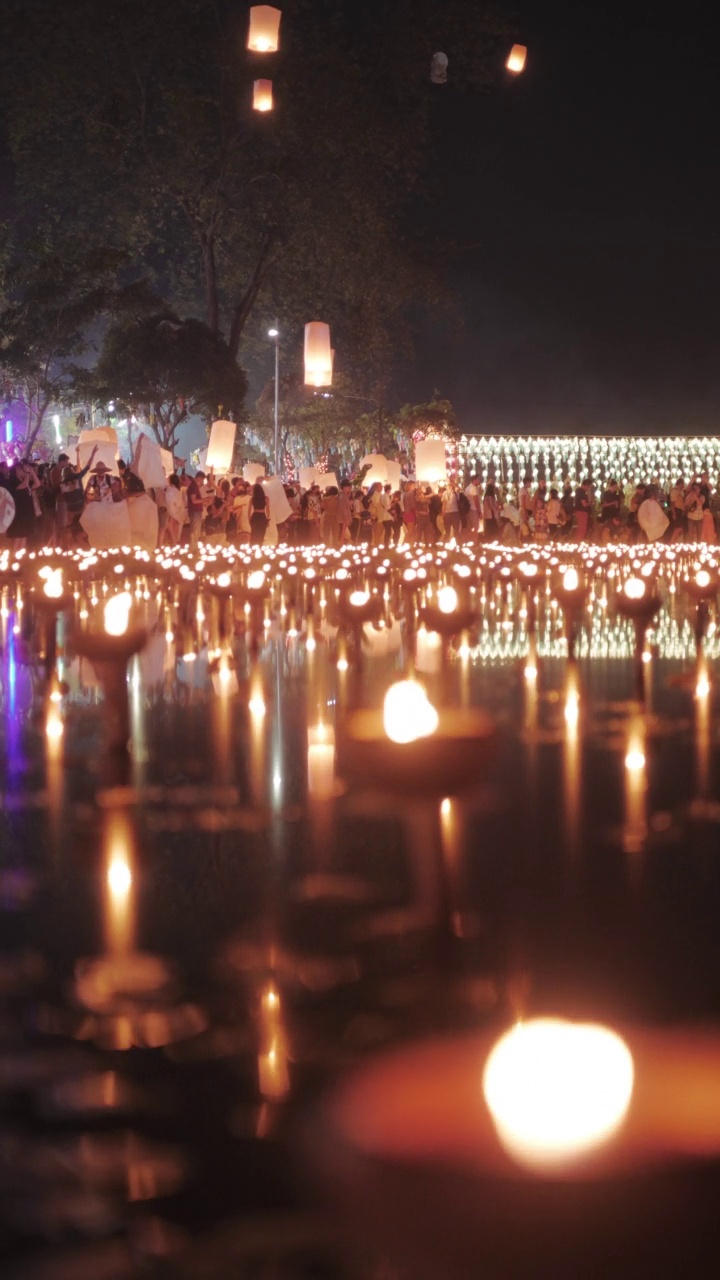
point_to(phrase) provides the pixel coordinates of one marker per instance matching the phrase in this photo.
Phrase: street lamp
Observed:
(274, 335)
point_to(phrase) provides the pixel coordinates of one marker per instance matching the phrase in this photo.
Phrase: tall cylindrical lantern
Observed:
(263, 95)
(264, 33)
(318, 355)
(516, 58)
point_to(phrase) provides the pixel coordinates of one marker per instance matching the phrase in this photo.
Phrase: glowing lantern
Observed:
(221, 446)
(318, 355)
(516, 58)
(408, 713)
(264, 33)
(430, 462)
(263, 95)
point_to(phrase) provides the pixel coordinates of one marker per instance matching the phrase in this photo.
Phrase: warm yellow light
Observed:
(263, 95)
(702, 579)
(557, 1089)
(53, 588)
(447, 599)
(256, 580)
(635, 760)
(359, 598)
(571, 580)
(634, 588)
(702, 688)
(53, 725)
(408, 713)
(119, 876)
(264, 32)
(517, 58)
(572, 709)
(116, 614)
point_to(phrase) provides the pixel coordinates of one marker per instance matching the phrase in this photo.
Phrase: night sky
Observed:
(586, 194)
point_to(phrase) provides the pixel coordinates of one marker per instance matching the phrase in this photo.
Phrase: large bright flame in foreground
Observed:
(408, 713)
(557, 1089)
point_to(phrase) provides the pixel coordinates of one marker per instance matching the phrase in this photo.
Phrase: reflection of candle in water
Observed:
(408, 713)
(557, 1090)
(116, 614)
(53, 588)
(258, 711)
(120, 925)
(702, 727)
(572, 758)
(635, 830)
(321, 762)
(273, 1076)
(428, 651)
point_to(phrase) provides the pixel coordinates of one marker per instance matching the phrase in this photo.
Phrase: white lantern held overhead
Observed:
(318, 355)
(516, 58)
(264, 32)
(221, 446)
(263, 95)
(430, 461)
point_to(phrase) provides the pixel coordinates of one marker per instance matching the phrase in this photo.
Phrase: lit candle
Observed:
(557, 1090)
(116, 614)
(408, 713)
(321, 762)
(635, 829)
(119, 907)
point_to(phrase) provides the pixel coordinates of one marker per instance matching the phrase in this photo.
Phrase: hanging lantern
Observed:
(262, 95)
(516, 58)
(318, 355)
(264, 33)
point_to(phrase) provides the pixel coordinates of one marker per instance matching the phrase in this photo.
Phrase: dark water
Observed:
(135, 1138)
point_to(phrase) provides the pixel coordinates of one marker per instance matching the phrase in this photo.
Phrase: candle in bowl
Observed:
(640, 602)
(570, 590)
(562, 1149)
(109, 651)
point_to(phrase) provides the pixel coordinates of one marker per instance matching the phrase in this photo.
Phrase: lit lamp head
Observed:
(702, 586)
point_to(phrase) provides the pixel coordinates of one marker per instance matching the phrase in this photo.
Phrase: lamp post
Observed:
(274, 334)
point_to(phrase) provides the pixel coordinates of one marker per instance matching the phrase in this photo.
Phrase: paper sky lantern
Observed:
(264, 33)
(168, 461)
(318, 355)
(105, 452)
(378, 473)
(253, 471)
(516, 58)
(309, 476)
(220, 446)
(147, 463)
(279, 508)
(108, 434)
(430, 464)
(263, 95)
(438, 68)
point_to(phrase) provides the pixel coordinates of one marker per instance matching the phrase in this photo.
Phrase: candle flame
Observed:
(635, 589)
(116, 614)
(53, 588)
(571, 580)
(556, 1089)
(408, 713)
(447, 600)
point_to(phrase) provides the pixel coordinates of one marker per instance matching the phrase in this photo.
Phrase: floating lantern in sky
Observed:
(556, 1090)
(438, 68)
(263, 95)
(430, 461)
(318, 355)
(264, 33)
(516, 58)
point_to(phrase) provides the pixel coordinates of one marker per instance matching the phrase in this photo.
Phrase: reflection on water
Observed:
(195, 938)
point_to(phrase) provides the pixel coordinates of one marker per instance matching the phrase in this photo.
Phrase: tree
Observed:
(132, 121)
(165, 370)
(51, 301)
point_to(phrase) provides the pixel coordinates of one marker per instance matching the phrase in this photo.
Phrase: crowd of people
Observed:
(49, 501)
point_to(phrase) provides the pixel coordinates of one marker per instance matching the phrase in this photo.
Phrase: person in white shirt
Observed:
(451, 515)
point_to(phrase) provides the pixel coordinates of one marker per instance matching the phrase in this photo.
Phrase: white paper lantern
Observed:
(264, 32)
(147, 463)
(252, 472)
(263, 95)
(430, 461)
(105, 452)
(318, 355)
(308, 476)
(220, 446)
(279, 508)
